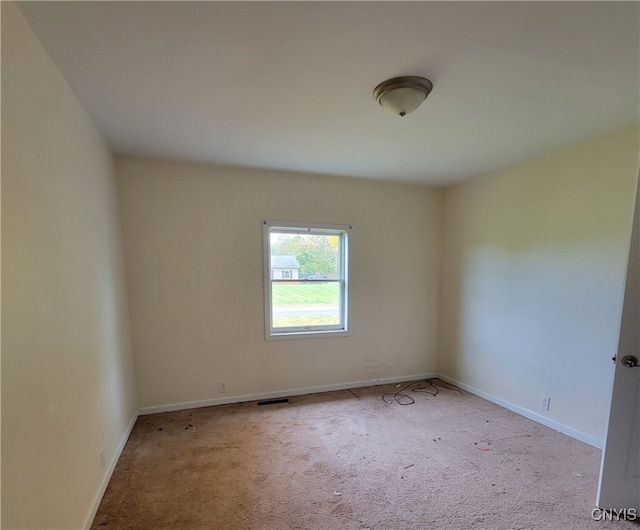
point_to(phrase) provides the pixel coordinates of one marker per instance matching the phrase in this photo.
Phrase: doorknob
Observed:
(630, 361)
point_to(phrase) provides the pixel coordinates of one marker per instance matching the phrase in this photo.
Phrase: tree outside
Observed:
(316, 254)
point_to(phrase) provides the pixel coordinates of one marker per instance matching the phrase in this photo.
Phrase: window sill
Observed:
(308, 335)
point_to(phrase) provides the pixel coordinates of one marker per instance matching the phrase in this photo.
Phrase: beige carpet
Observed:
(348, 460)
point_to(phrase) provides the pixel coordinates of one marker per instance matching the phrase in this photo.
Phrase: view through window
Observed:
(306, 277)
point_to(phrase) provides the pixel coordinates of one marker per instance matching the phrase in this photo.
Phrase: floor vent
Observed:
(273, 401)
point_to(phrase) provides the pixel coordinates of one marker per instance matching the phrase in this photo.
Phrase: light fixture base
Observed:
(402, 95)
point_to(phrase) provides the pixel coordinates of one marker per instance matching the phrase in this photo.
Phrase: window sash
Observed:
(273, 332)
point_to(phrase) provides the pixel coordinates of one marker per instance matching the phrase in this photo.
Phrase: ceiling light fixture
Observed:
(402, 95)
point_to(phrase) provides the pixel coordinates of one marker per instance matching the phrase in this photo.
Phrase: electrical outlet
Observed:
(545, 403)
(102, 462)
(222, 386)
(389, 368)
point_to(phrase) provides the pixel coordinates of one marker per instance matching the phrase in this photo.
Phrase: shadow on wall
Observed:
(533, 262)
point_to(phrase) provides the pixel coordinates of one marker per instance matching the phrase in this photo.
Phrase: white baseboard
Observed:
(280, 394)
(107, 476)
(538, 418)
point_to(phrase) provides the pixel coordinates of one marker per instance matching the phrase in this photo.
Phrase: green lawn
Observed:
(306, 294)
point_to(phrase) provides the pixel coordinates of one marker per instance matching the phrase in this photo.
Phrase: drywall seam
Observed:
(278, 394)
(538, 418)
(107, 476)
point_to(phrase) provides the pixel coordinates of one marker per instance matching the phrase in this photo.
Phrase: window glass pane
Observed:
(305, 304)
(311, 256)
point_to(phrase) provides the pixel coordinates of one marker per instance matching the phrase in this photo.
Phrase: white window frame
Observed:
(296, 332)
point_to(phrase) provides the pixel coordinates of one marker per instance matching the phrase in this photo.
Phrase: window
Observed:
(309, 297)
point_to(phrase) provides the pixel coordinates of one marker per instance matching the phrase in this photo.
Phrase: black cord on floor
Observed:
(446, 386)
(402, 398)
(399, 397)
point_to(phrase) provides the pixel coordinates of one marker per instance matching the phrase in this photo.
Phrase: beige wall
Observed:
(67, 374)
(193, 247)
(534, 262)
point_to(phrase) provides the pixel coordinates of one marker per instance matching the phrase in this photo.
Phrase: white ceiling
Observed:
(287, 85)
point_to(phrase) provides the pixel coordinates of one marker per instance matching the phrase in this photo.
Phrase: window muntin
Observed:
(313, 298)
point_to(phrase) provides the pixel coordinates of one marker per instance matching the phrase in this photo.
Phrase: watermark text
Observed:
(622, 514)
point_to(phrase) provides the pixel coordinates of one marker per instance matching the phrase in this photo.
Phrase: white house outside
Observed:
(284, 268)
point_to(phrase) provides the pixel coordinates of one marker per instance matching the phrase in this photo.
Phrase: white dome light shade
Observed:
(402, 95)
(402, 101)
